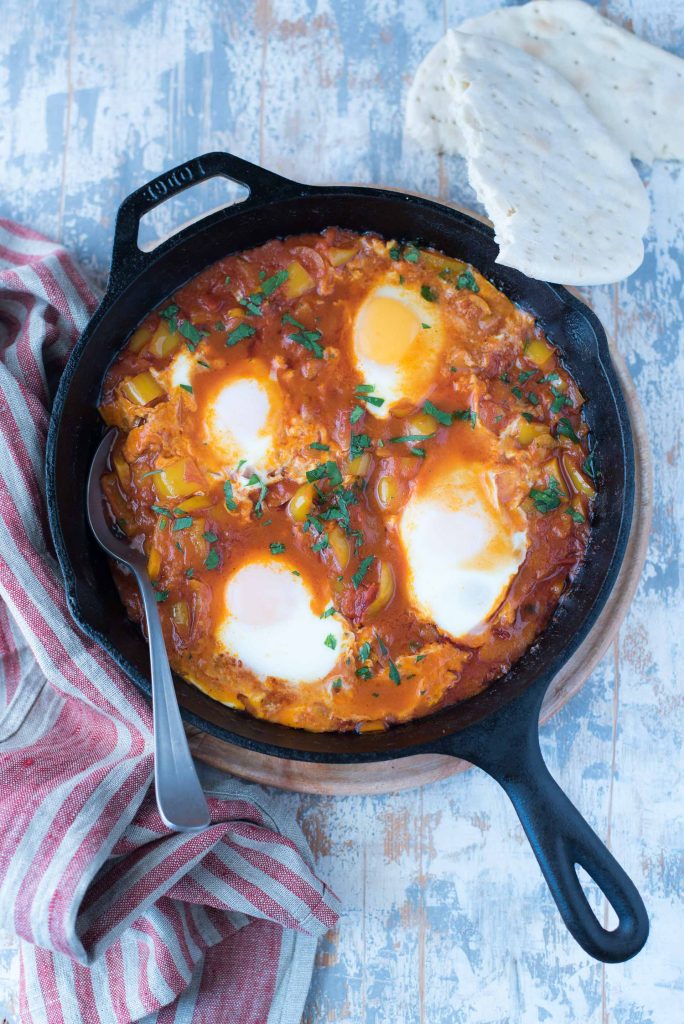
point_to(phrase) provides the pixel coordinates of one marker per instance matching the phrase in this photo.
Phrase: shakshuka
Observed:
(359, 474)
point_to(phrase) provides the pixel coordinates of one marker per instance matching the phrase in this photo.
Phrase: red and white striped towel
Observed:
(118, 918)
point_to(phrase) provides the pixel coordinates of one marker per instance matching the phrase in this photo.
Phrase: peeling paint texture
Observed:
(447, 919)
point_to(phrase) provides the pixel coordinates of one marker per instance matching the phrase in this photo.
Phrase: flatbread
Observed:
(430, 118)
(635, 89)
(565, 199)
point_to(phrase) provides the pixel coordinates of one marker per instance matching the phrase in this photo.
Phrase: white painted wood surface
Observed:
(446, 916)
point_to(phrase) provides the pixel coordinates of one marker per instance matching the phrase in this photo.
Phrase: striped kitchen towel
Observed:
(118, 919)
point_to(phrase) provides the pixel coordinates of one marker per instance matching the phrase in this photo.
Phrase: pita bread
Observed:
(429, 110)
(565, 199)
(635, 89)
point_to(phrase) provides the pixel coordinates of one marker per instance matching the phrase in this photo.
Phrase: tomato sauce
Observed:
(329, 477)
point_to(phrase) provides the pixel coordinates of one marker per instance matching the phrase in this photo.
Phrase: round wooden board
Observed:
(411, 772)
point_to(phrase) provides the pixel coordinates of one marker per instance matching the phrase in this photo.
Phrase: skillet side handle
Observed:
(128, 259)
(507, 748)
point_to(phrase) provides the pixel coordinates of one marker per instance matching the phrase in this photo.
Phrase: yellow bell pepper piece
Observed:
(578, 479)
(527, 432)
(180, 613)
(538, 351)
(385, 591)
(196, 502)
(153, 564)
(122, 469)
(179, 480)
(163, 343)
(298, 281)
(340, 256)
(139, 338)
(141, 389)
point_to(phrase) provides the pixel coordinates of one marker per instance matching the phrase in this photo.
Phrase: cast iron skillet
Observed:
(496, 730)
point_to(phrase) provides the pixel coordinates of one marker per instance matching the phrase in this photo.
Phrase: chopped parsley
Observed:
(161, 595)
(525, 375)
(364, 651)
(186, 387)
(212, 559)
(588, 466)
(276, 547)
(532, 398)
(304, 337)
(321, 544)
(426, 327)
(410, 438)
(548, 499)
(330, 642)
(564, 429)
(201, 362)
(182, 524)
(317, 446)
(420, 657)
(231, 503)
(445, 418)
(394, 673)
(527, 416)
(329, 470)
(256, 481)
(576, 516)
(356, 414)
(550, 378)
(269, 284)
(226, 279)
(336, 684)
(428, 293)
(359, 442)
(238, 333)
(364, 672)
(395, 252)
(210, 536)
(191, 334)
(363, 568)
(467, 415)
(560, 400)
(505, 377)
(518, 393)
(466, 280)
(327, 613)
(411, 253)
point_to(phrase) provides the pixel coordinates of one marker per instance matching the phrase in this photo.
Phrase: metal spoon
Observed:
(180, 799)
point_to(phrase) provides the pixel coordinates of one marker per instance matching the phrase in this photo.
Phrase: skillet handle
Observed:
(128, 259)
(506, 746)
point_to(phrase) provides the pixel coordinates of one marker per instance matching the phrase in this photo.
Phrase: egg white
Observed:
(397, 339)
(463, 548)
(271, 627)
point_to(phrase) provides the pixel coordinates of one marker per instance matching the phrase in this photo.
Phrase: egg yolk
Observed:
(387, 330)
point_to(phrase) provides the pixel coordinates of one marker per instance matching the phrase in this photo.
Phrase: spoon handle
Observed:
(180, 799)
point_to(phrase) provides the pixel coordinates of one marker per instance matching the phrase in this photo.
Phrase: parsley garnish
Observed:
(411, 254)
(191, 334)
(466, 280)
(231, 504)
(201, 362)
(505, 378)
(330, 642)
(364, 651)
(468, 415)
(256, 481)
(307, 339)
(518, 393)
(161, 595)
(428, 293)
(445, 418)
(576, 516)
(238, 333)
(365, 672)
(210, 536)
(182, 524)
(525, 375)
(564, 429)
(363, 568)
(588, 466)
(327, 613)
(359, 442)
(186, 387)
(276, 548)
(326, 469)
(395, 253)
(212, 559)
(317, 446)
(336, 684)
(269, 285)
(548, 499)
(321, 544)
(532, 398)
(356, 414)
(394, 673)
(410, 438)
(426, 327)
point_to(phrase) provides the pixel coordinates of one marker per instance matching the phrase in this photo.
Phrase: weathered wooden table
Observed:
(446, 915)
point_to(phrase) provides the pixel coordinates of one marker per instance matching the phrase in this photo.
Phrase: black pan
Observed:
(496, 730)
